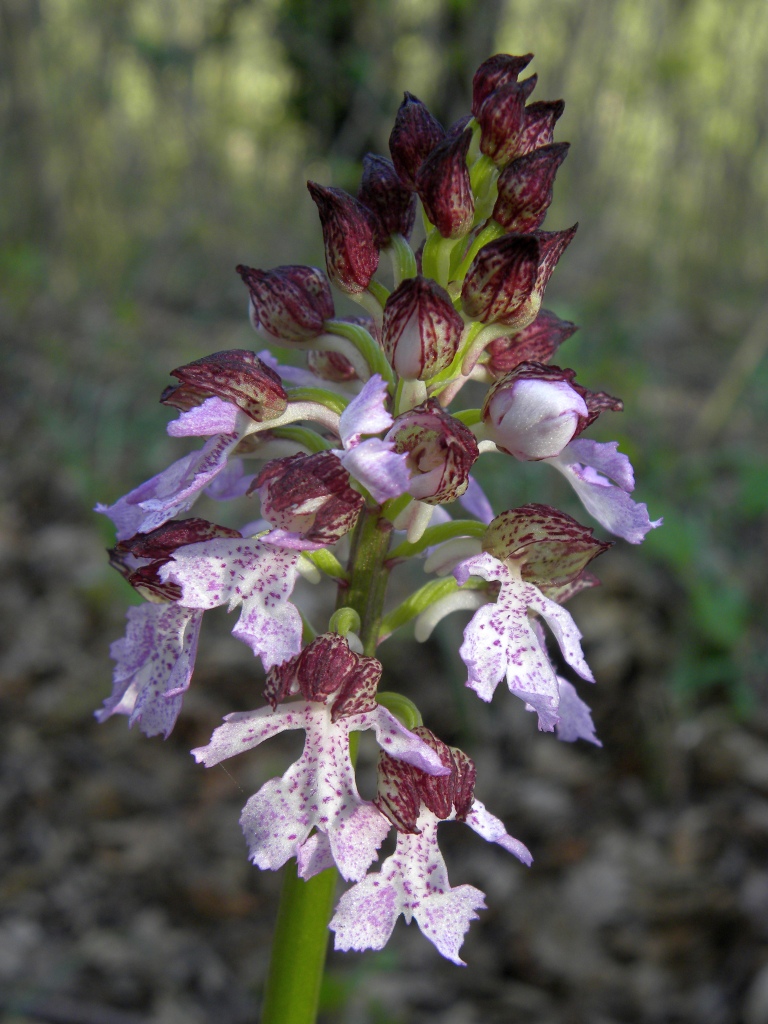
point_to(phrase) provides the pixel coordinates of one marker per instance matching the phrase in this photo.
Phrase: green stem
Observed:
(295, 975)
(368, 576)
(301, 935)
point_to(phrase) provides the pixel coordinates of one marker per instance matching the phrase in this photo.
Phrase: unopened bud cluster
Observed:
(353, 457)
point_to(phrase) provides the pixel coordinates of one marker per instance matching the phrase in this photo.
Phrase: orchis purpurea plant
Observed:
(353, 459)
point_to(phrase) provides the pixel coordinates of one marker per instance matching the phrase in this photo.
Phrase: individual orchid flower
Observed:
(257, 576)
(154, 663)
(414, 880)
(318, 792)
(372, 461)
(603, 478)
(500, 642)
(225, 397)
(308, 499)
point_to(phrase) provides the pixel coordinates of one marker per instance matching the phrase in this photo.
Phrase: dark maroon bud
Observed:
(237, 376)
(309, 495)
(550, 547)
(539, 126)
(525, 188)
(501, 69)
(421, 329)
(349, 229)
(444, 187)
(440, 449)
(392, 204)
(501, 119)
(397, 796)
(414, 136)
(500, 283)
(290, 303)
(331, 366)
(535, 343)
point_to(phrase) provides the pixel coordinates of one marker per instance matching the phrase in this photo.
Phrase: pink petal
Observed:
(365, 414)
(492, 829)
(316, 792)
(444, 918)
(378, 468)
(244, 730)
(214, 416)
(575, 717)
(314, 856)
(171, 492)
(476, 503)
(589, 467)
(366, 915)
(398, 741)
(259, 577)
(154, 663)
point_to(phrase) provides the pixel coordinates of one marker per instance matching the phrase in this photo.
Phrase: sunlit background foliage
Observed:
(150, 145)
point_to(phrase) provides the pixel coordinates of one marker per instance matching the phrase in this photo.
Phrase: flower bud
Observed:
(506, 281)
(440, 449)
(551, 548)
(414, 136)
(499, 70)
(237, 376)
(501, 119)
(525, 188)
(290, 304)
(421, 329)
(444, 188)
(392, 204)
(351, 253)
(500, 282)
(539, 125)
(532, 412)
(309, 495)
(535, 343)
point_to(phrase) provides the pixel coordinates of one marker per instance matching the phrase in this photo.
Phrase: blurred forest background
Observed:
(148, 146)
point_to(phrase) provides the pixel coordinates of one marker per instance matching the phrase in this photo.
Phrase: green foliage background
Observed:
(150, 145)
